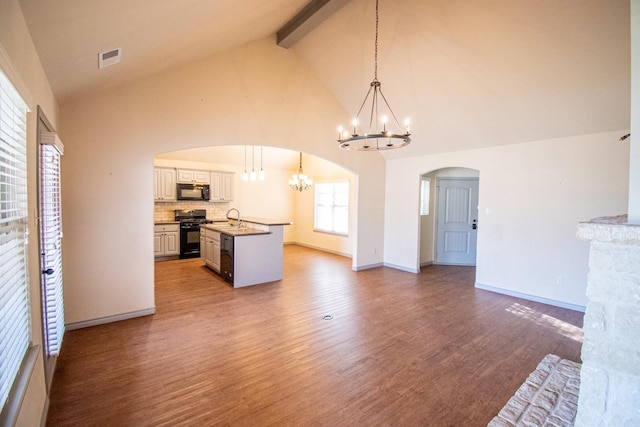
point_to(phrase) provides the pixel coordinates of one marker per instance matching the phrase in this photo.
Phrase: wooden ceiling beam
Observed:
(314, 13)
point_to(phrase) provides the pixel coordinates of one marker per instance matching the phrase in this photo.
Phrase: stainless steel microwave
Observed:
(193, 191)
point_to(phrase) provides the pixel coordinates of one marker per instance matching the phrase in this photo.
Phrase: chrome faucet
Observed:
(237, 219)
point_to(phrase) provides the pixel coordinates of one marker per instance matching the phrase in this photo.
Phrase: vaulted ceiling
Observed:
(469, 74)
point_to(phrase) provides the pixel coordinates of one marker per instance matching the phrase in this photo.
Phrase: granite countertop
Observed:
(264, 221)
(609, 229)
(221, 219)
(234, 231)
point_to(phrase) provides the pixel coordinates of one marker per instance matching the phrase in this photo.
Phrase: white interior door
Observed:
(457, 221)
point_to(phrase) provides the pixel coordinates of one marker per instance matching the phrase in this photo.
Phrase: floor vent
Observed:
(109, 57)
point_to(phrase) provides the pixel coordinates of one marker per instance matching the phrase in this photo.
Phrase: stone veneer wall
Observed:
(610, 375)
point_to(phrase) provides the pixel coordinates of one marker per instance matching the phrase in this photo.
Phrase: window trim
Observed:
(11, 409)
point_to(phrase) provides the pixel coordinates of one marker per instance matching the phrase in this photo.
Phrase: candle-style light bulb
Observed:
(384, 123)
(354, 122)
(340, 129)
(407, 125)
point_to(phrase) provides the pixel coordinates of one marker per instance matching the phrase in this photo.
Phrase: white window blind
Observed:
(425, 189)
(15, 328)
(332, 207)
(51, 149)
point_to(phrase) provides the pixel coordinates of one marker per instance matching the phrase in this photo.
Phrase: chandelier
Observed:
(374, 138)
(300, 181)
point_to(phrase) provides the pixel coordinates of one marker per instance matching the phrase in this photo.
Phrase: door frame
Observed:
(43, 125)
(437, 223)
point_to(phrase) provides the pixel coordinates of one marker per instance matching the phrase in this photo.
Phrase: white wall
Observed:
(23, 67)
(256, 92)
(537, 192)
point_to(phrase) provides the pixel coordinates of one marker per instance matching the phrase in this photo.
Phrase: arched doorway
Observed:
(448, 208)
(269, 198)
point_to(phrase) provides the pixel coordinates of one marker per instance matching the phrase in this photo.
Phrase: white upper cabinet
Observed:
(194, 176)
(222, 186)
(164, 185)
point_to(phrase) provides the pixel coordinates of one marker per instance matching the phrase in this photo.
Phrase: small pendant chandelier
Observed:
(245, 175)
(300, 181)
(374, 138)
(253, 175)
(261, 174)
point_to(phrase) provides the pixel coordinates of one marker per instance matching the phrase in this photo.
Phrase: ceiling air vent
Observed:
(109, 57)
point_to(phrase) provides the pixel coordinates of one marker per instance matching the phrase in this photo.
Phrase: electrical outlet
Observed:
(559, 280)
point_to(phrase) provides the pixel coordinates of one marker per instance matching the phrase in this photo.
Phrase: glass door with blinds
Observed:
(50, 149)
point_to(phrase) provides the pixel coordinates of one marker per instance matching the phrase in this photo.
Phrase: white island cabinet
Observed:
(210, 248)
(256, 256)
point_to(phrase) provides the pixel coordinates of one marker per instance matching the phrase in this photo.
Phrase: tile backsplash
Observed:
(164, 211)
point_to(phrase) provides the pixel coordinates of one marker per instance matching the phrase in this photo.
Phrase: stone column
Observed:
(610, 375)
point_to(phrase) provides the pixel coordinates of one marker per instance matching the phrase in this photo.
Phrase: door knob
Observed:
(48, 271)
(474, 226)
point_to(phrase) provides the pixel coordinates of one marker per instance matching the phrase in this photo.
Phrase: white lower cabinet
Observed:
(166, 240)
(210, 247)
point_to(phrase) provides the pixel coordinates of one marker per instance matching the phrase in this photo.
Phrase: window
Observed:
(425, 189)
(15, 330)
(332, 207)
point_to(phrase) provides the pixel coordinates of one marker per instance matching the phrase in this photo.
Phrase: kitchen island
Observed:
(244, 255)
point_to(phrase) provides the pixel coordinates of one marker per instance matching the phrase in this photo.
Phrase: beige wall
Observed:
(254, 94)
(536, 192)
(28, 75)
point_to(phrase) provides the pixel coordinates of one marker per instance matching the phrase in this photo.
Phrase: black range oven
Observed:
(190, 221)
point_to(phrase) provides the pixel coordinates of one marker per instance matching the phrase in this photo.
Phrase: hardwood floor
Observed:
(401, 349)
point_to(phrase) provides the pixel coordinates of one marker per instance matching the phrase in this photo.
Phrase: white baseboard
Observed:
(400, 267)
(367, 267)
(548, 301)
(320, 249)
(110, 319)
